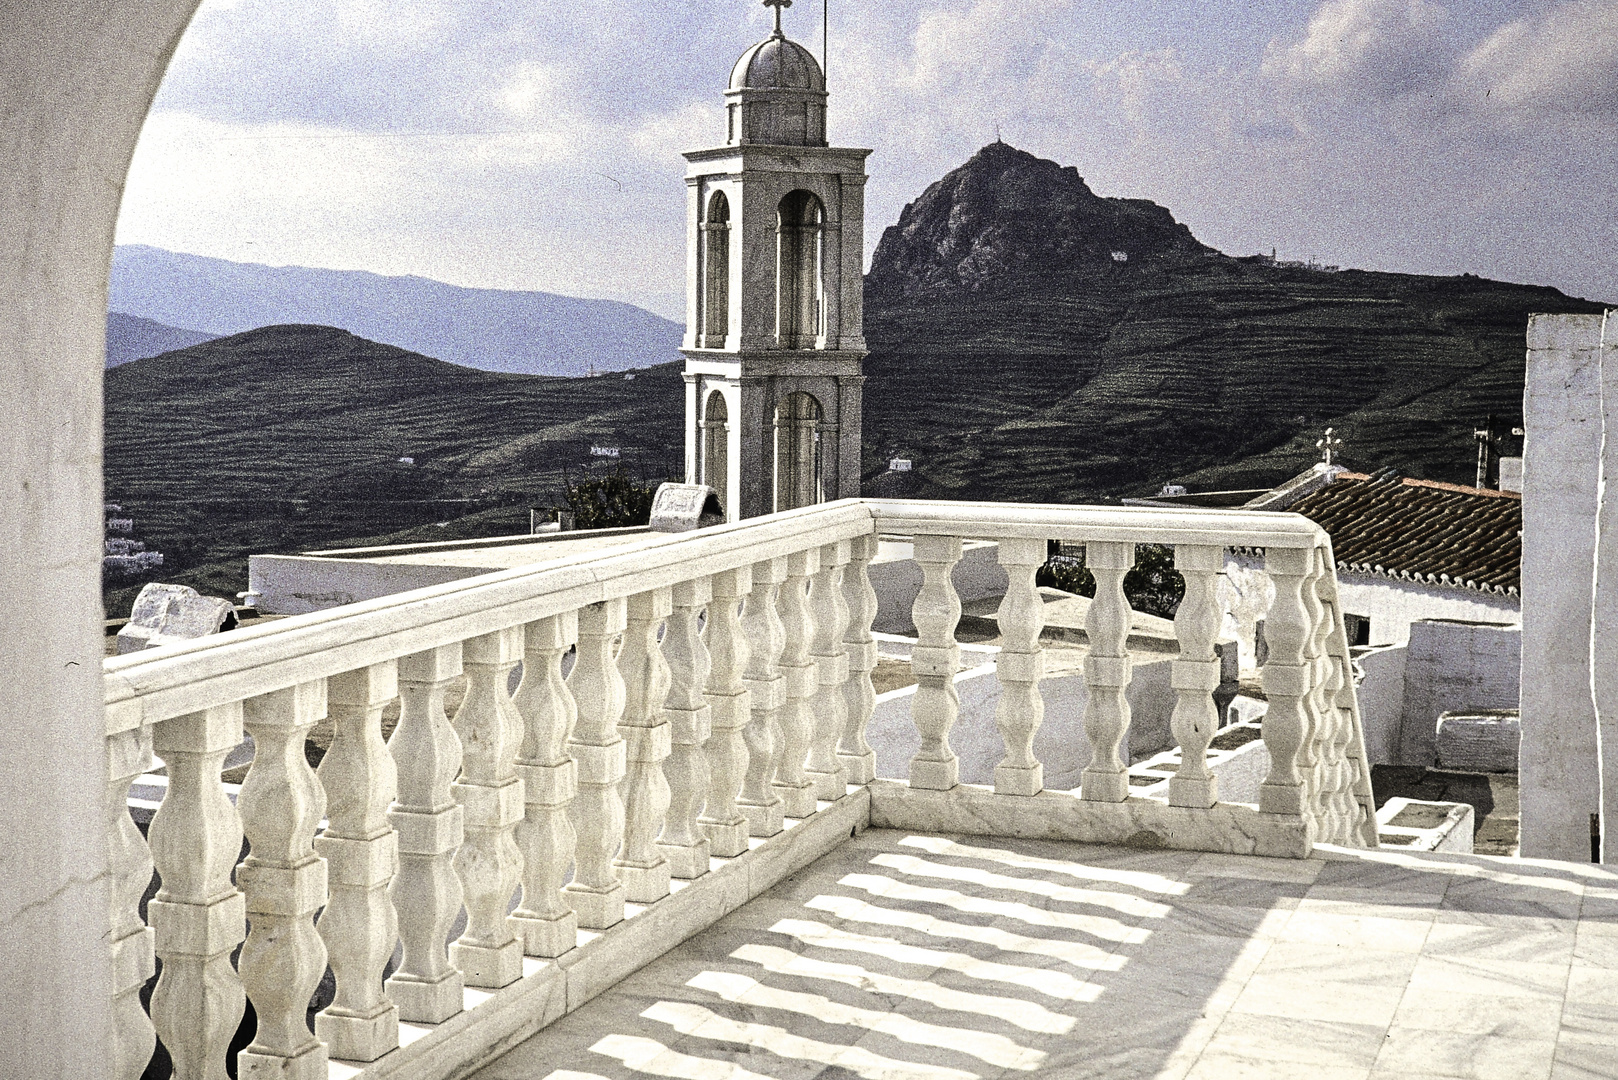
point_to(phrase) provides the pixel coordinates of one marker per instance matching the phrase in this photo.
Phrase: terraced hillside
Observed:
(1029, 341)
(1015, 356)
(289, 436)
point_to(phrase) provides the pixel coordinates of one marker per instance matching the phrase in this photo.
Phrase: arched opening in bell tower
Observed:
(716, 446)
(800, 249)
(715, 267)
(797, 452)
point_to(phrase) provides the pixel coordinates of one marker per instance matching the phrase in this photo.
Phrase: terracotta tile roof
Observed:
(1420, 530)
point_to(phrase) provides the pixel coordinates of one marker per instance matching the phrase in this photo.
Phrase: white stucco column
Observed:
(76, 79)
(1604, 624)
(1561, 474)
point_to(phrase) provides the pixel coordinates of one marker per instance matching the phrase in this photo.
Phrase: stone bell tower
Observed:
(774, 299)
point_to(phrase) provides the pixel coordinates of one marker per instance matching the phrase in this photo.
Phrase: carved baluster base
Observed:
(765, 819)
(729, 839)
(311, 1064)
(353, 1036)
(1009, 780)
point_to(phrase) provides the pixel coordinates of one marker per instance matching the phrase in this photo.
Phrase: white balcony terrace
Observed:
(706, 743)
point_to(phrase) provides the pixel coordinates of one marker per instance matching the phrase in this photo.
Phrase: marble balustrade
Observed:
(720, 684)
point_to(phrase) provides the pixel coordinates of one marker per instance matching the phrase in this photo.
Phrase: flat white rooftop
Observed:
(316, 580)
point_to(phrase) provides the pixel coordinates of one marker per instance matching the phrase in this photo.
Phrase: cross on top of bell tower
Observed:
(778, 5)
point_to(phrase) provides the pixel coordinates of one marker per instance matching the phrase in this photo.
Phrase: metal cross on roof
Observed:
(778, 5)
(1328, 445)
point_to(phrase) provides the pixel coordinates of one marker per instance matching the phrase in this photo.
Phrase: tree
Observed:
(613, 501)
(1153, 586)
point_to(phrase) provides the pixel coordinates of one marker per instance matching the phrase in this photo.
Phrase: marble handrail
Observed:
(1319, 772)
(722, 683)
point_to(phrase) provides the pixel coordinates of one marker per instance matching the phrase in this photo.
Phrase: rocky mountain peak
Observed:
(1005, 214)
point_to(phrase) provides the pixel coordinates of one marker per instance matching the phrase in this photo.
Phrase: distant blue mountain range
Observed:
(130, 337)
(491, 329)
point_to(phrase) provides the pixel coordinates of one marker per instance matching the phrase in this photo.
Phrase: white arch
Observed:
(76, 80)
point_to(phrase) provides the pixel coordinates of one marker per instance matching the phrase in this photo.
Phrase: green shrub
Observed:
(613, 501)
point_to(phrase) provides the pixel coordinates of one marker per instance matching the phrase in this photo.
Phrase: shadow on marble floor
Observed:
(910, 957)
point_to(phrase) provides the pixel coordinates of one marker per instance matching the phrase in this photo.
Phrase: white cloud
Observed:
(549, 133)
(1381, 47)
(1563, 60)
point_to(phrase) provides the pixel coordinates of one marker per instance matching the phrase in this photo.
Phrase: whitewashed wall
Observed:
(1452, 666)
(1562, 450)
(1392, 605)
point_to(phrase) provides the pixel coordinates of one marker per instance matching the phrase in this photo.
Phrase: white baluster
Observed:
(283, 959)
(935, 660)
(362, 855)
(830, 609)
(1107, 671)
(725, 826)
(595, 892)
(766, 637)
(1195, 675)
(1287, 630)
(645, 731)
(683, 842)
(198, 916)
(1310, 763)
(1335, 803)
(859, 696)
(798, 686)
(489, 791)
(1019, 667)
(129, 866)
(426, 891)
(546, 924)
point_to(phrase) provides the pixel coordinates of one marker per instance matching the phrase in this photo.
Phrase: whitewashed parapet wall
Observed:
(1569, 757)
(721, 689)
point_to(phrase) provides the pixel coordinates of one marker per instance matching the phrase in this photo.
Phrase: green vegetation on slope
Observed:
(288, 437)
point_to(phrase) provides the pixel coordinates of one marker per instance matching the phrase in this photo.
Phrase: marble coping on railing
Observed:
(495, 1021)
(1124, 524)
(151, 686)
(971, 810)
(155, 685)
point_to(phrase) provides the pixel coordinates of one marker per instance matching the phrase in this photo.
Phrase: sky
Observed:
(536, 145)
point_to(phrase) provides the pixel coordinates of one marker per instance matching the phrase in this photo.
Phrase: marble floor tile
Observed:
(1355, 931)
(1500, 898)
(1309, 998)
(904, 956)
(1468, 1056)
(1338, 964)
(1221, 1066)
(1596, 949)
(1535, 946)
(1480, 1014)
(1500, 978)
(1257, 868)
(1420, 906)
(1585, 1061)
(1592, 985)
(1331, 1044)
(1589, 1022)
(1232, 920)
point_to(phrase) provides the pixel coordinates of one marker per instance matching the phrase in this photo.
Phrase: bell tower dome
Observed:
(775, 336)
